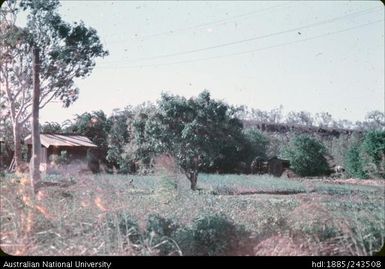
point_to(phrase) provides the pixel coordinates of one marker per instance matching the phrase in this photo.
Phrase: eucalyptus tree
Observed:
(67, 51)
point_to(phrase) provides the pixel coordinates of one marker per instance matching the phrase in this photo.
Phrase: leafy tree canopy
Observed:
(307, 156)
(193, 130)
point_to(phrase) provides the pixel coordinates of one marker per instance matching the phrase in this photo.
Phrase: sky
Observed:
(316, 56)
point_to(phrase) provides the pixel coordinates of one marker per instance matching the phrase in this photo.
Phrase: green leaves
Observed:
(68, 51)
(195, 131)
(307, 156)
(367, 159)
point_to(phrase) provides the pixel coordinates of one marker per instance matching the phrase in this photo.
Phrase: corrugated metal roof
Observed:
(62, 140)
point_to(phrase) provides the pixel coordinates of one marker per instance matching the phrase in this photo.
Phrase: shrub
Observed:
(373, 153)
(161, 226)
(307, 156)
(353, 162)
(214, 235)
(209, 235)
(123, 225)
(161, 230)
(367, 159)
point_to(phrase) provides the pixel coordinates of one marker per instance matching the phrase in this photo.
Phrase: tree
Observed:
(256, 145)
(273, 116)
(193, 131)
(307, 156)
(118, 137)
(373, 151)
(95, 126)
(67, 52)
(343, 124)
(374, 120)
(324, 120)
(353, 162)
(51, 127)
(299, 118)
(366, 158)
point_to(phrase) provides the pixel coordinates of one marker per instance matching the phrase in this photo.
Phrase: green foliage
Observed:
(214, 235)
(337, 147)
(160, 225)
(307, 156)
(367, 159)
(66, 51)
(95, 126)
(118, 137)
(210, 235)
(373, 147)
(194, 131)
(257, 144)
(123, 225)
(51, 127)
(353, 162)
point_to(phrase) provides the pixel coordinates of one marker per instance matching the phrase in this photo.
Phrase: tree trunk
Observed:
(193, 177)
(17, 146)
(36, 145)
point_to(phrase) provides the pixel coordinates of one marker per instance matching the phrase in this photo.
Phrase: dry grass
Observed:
(73, 217)
(281, 246)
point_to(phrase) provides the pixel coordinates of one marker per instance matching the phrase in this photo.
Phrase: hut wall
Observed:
(74, 153)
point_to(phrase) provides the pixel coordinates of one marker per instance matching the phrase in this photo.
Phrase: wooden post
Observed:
(36, 145)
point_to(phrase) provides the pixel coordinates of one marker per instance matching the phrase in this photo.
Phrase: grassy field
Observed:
(159, 215)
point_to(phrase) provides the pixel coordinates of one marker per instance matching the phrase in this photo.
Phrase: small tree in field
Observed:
(193, 131)
(307, 156)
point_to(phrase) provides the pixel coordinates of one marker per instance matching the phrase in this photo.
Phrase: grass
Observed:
(249, 184)
(114, 215)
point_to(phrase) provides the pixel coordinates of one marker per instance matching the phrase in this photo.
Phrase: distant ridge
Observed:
(286, 128)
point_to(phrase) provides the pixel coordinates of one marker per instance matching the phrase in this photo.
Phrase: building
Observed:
(273, 166)
(75, 146)
(276, 166)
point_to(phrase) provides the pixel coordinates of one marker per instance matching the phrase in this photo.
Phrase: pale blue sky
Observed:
(314, 56)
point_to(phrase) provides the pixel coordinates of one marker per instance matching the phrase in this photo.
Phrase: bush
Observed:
(353, 162)
(161, 230)
(123, 225)
(214, 235)
(210, 235)
(373, 153)
(307, 156)
(367, 159)
(161, 226)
